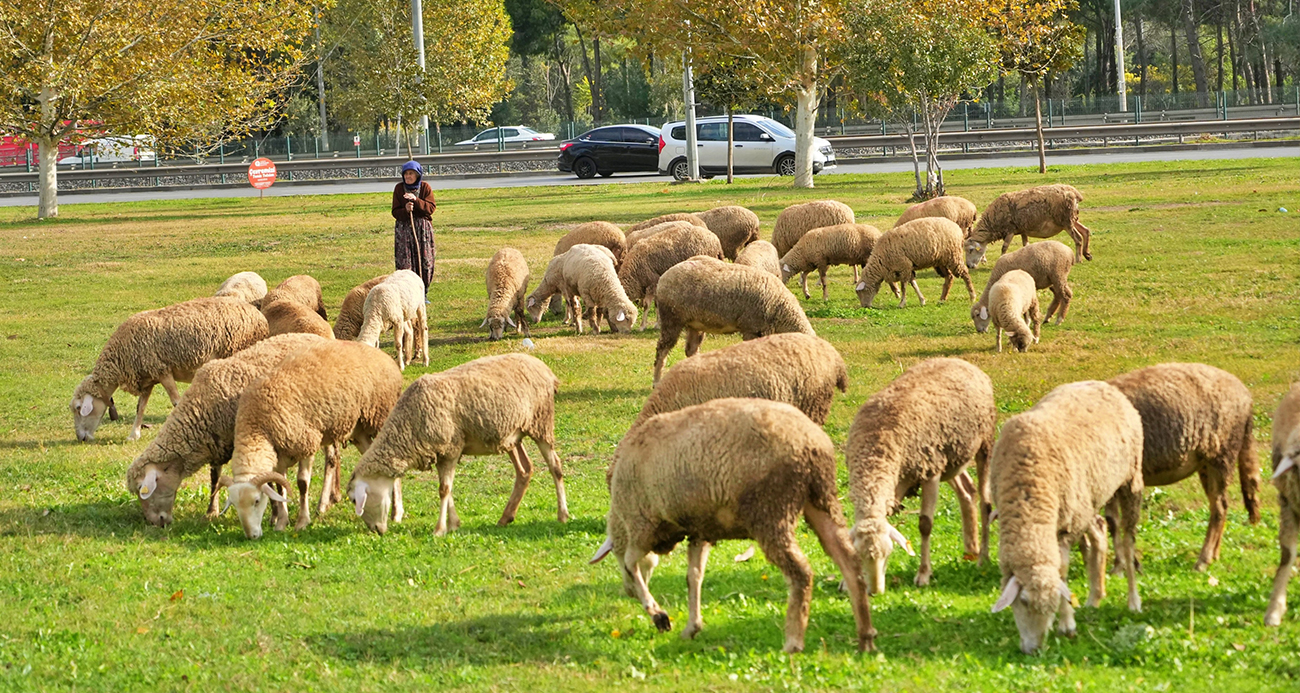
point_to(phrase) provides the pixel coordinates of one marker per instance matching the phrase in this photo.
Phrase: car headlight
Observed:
(826, 150)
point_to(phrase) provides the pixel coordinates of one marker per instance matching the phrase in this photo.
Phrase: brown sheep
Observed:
(302, 289)
(348, 323)
(1041, 212)
(960, 210)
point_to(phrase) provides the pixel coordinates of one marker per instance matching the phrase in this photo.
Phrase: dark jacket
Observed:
(424, 206)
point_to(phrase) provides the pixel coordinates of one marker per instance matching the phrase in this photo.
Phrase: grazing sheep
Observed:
(729, 469)
(901, 251)
(958, 209)
(1196, 419)
(350, 313)
(249, 286)
(796, 220)
(1048, 263)
(285, 317)
(1052, 468)
(705, 294)
(842, 244)
(1040, 212)
(484, 407)
(322, 395)
(201, 429)
(549, 289)
(302, 289)
(398, 302)
(594, 233)
(635, 237)
(734, 226)
(762, 255)
(162, 347)
(688, 217)
(1012, 306)
(648, 260)
(507, 282)
(923, 429)
(589, 275)
(1286, 448)
(795, 368)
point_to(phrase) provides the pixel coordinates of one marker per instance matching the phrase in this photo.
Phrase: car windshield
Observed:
(778, 128)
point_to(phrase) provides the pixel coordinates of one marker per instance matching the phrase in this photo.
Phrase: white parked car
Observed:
(762, 145)
(509, 134)
(112, 149)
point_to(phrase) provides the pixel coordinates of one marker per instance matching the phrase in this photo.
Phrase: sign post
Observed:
(261, 174)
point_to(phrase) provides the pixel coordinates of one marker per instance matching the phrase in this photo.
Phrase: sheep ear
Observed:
(620, 317)
(112, 410)
(1285, 464)
(270, 492)
(531, 301)
(786, 268)
(150, 483)
(603, 550)
(225, 482)
(901, 540)
(1064, 589)
(862, 286)
(508, 322)
(87, 405)
(483, 324)
(1009, 594)
(993, 515)
(225, 506)
(359, 496)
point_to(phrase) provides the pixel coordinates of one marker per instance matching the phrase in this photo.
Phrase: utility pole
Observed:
(1119, 60)
(688, 96)
(320, 87)
(417, 32)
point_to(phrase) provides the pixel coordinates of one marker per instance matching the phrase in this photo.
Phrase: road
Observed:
(506, 181)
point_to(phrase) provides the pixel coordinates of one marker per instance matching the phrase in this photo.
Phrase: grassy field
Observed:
(1193, 262)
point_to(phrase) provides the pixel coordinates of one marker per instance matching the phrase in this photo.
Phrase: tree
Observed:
(728, 85)
(919, 56)
(185, 73)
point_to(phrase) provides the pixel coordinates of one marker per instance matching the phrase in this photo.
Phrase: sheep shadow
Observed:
(536, 530)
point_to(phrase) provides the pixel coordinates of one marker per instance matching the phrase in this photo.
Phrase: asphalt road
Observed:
(442, 183)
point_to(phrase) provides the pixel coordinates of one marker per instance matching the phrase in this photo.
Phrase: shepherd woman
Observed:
(413, 206)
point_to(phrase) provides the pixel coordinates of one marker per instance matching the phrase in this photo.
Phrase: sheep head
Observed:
(537, 304)
(975, 252)
(154, 485)
(866, 293)
(621, 319)
(496, 325)
(874, 540)
(979, 313)
(1035, 603)
(250, 499)
(373, 497)
(88, 407)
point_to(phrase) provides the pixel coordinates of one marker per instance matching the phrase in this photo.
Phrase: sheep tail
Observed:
(1248, 471)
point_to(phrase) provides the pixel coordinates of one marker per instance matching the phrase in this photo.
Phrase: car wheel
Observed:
(606, 174)
(584, 168)
(680, 170)
(785, 165)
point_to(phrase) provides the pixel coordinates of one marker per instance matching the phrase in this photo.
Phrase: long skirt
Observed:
(410, 256)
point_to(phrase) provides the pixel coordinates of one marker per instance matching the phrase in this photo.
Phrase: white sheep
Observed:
(593, 233)
(735, 227)
(796, 220)
(249, 286)
(648, 260)
(398, 302)
(1286, 449)
(1012, 306)
(899, 252)
(350, 313)
(762, 255)
(1048, 263)
(507, 282)
(1040, 212)
(960, 210)
(842, 244)
(585, 273)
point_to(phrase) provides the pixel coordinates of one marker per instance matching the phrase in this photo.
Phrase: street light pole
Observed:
(688, 97)
(1119, 60)
(417, 32)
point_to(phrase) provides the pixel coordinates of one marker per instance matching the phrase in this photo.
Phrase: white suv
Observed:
(762, 145)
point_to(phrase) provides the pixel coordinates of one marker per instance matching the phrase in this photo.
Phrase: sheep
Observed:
(795, 368)
(688, 217)
(322, 395)
(249, 286)
(923, 429)
(634, 237)
(1052, 468)
(796, 220)
(734, 226)
(1048, 263)
(507, 282)
(398, 302)
(1041, 212)
(899, 252)
(705, 294)
(959, 209)
(1012, 306)
(162, 347)
(350, 313)
(729, 469)
(584, 268)
(647, 261)
(284, 317)
(484, 407)
(300, 288)
(594, 233)
(1286, 448)
(762, 255)
(842, 244)
(201, 429)
(1196, 419)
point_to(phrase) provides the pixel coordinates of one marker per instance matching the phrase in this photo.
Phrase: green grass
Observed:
(1193, 262)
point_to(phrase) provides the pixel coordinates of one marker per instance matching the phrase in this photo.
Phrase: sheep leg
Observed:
(1094, 543)
(362, 441)
(557, 473)
(693, 339)
(423, 332)
(1286, 540)
(855, 272)
(575, 307)
(140, 405)
(214, 503)
(912, 280)
(667, 340)
(399, 509)
(947, 286)
(446, 474)
(1129, 499)
(632, 565)
(896, 288)
(821, 274)
(986, 502)
(1082, 236)
(169, 384)
(779, 545)
(523, 475)
(966, 492)
(965, 277)
(698, 556)
(520, 320)
(1036, 320)
(803, 283)
(1065, 624)
(999, 340)
(304, 482)
(1214, 483)
(835, 541)
(330, 479)
(929, 501)
(399, 343)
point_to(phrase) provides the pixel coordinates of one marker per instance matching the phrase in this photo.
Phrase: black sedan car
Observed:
(611, 149)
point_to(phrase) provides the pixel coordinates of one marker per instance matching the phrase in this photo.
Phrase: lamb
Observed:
(1052, 468)
(507, 282)
(1012, 306)
(650, 259)
(705, 294)
(284, 317)
(162, 347)
(1286, 448)
(1041, 212)
(1048, 263)
(484, 407)
(688, 217)
(398, 302)
(729, 469)
(796, 220)
(1196, 419)
(249, 286)
(634, 237)
(350, 313)
(594, 233)
(201, 430)
(958, 209)
(900, 251)
(734, 226)
(794, 368)
(300, 288)
(585, 272)
(923, 429)
(762, 255)
(322, 395)
(842, 244)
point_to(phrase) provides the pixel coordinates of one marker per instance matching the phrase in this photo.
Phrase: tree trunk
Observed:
(1038, 124)
(598, 87)
(1173, 57)
(931, 149)
(320, 87)
(731, 147)
(586, 67)
(1195, 55)
(566, 77)
(1142, 57)
(805, 120)
(1218, 65)
(1232, 52)
(916, 164)
(48, 170)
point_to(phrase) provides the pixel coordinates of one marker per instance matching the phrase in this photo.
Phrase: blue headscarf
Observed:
(419, 174)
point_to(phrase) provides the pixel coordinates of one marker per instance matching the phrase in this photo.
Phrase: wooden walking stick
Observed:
(419, 256)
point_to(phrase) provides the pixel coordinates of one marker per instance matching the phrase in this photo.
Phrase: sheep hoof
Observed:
(505, 520)
(867, 643)
(662, 622)
(563, 517)
(133, 435)
(691, 630)
(970, 556)
(922, 579)
(1274, 617)
(793, 646)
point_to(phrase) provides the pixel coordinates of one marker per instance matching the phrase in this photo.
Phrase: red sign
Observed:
(261, 173)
